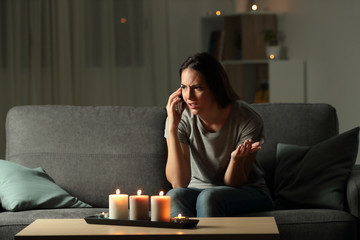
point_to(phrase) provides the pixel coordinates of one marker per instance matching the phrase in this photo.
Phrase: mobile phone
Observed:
(179, 105)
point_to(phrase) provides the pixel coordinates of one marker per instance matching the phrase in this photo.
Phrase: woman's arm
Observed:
(178, 171)
(241, 161)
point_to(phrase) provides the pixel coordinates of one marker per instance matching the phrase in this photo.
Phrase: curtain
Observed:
(83, 52)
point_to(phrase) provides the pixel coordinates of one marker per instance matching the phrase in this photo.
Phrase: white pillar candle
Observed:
(118, 205)
(139, 206)
(160, 208)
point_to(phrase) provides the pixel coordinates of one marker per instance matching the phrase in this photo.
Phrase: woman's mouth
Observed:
(193, 105)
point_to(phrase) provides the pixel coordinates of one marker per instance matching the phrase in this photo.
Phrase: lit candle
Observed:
(118, 205)
(180, 219)
(139, 206)
(102, 215)
(160, 208)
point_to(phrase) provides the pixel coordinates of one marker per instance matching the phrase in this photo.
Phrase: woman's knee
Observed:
(208, 196)
(183, 200)
(183, 193)
(209, 204)
(177, 192)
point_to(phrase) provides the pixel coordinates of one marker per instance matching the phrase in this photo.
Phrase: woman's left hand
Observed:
(245, 150)
(242, 159)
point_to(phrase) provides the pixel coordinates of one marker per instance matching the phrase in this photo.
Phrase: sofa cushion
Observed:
(293, 123)
(23, 188)
(318, 224)
(315, 177)
(99, 148)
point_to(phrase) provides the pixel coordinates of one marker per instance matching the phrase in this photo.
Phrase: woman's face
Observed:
(196, 93)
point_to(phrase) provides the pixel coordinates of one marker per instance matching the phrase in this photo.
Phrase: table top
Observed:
(207, 228)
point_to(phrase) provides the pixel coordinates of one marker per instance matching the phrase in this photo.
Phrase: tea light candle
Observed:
(102, 215)
(180, 219)
(139, 206)
(160, 208)
(118, 205)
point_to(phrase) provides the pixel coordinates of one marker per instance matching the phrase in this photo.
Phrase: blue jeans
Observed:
(222, 201)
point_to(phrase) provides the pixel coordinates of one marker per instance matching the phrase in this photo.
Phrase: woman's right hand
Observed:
(178, 171)
(173, 116)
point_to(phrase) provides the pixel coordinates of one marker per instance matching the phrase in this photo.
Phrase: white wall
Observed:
(326, 34)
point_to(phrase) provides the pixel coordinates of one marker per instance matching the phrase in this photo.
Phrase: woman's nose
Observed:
(189, 93)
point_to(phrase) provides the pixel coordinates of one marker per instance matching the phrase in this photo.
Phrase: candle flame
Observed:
(179, 216)
(117, 191)
(161, 193)
(139, 192)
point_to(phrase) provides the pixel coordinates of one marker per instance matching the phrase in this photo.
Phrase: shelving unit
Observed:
(237, 40)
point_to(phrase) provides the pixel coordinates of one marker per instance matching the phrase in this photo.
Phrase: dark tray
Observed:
(141, 223)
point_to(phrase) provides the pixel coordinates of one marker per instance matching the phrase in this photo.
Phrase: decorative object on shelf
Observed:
(212, 13)
(254, 6)
(273, 49)
(262, 92)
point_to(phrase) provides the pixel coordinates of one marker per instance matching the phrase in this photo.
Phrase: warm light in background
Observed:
(272, 56)
(254, 7)
(123, 20)
(218, 13)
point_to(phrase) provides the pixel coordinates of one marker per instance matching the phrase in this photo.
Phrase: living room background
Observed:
(137, 46)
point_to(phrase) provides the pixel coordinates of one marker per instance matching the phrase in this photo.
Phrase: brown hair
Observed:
(215, 76)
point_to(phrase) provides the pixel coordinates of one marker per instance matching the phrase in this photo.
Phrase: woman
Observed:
(212, 145)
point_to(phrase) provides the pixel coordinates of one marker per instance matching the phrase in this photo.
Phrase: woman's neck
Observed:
(214, 119)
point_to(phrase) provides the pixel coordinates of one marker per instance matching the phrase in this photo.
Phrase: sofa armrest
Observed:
(353, 191)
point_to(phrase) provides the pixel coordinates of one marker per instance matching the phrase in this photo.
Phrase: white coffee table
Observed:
(208, 229)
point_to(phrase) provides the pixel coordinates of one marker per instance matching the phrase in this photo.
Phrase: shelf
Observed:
(243, 14)
(259, 61)
(237, 40)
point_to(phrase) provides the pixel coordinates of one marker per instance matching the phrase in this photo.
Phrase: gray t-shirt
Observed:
(210, 151)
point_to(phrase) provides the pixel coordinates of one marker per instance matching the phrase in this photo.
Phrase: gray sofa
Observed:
(91, 151)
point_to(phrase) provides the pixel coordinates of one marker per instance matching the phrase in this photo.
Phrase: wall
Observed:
(184, 28)
(326, 35)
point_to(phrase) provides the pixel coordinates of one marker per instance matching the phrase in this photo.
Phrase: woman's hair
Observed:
(215, 76)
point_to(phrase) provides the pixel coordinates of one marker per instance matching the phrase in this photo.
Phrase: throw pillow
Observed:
(23, 188)
(315, 177)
